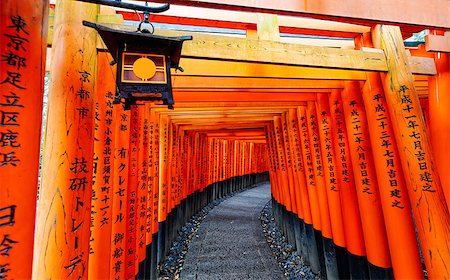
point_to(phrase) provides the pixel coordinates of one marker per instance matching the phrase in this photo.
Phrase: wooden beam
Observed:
(207, 107)
(239, 49)
(223, 111)
(255, 141)
(230, 104)
(221, 114)
(437, 43)
(217, 117)
(237, 132)
(421, 65)
(417, 14)
(216, 83)
(317, 41)
(240, 96)
(241, 125)
(239, 138)
(227, 120)
(261, 135)
(207, 67)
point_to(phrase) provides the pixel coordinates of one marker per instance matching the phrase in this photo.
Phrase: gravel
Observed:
(177, 253)
(286, 256)
(175, 259)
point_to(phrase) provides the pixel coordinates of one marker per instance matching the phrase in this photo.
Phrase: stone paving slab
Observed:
(230, 243)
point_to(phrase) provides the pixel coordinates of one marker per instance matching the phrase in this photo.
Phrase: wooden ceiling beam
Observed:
(223, 112)
(257, 51)
(225, 126)
(239, 49)
(198, 106)
(199, 82)
(222, 120)
(241, 96)
(223, 68)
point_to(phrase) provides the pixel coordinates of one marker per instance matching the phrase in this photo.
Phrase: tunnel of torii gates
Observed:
(351, 128)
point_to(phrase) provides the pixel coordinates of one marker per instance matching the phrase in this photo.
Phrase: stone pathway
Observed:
(230, 243)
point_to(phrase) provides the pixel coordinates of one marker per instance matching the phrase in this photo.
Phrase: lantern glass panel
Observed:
(143, 68)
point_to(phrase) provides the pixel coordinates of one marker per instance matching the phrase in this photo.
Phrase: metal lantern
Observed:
(143, 63)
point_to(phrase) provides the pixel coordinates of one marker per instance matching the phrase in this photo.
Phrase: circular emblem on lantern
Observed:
(144, 68)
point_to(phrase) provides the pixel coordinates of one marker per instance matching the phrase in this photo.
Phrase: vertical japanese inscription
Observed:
(12, 89)
(142, 182)
(329, 155)
(424, 186)
(385, 142)
(120, 192)
(415, 136)
(312, 189)
(13, 65)
(80, 183)
(102, 185)
(64, 206)
(330, 173)
(150, 179)
(359, 140)
(317, 161)
(307, 151)
(164, 143)
(156, 194)
(132, 201)
(344, 173)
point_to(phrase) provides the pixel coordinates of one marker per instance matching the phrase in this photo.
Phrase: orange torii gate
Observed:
(147, 170)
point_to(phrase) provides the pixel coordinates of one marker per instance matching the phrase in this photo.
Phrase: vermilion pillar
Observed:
(309, 169)
(317, 163)
(283, 178)
(330, 171)
(297, 164)
(349, 204)
(133, 197)
(23, 41)
(424, 187)
(121, 128)
(289, 164)
(304, 204)
(393, 193)
(64, 206)
(143, 188)
(102, 185)
(366, 182)
(154, 170)
(439, 102)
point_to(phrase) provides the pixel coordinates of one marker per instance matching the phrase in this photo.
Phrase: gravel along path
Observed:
(287, 257)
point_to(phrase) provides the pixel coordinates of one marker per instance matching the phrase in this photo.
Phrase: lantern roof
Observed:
(120, 40)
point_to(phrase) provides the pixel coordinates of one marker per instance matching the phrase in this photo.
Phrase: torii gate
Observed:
(227, 71)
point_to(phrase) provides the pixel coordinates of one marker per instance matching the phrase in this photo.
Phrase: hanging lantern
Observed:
(143, 63)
